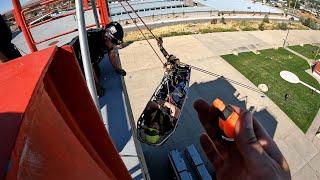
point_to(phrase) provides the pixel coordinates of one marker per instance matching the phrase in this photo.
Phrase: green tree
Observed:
(266, 19)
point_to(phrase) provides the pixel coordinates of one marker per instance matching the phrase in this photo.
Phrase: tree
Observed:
(311, 23)
(266, 19)
(295, 4)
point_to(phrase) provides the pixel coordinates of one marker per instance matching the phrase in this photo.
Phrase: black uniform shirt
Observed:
(97, 45)
(6, 47)
(5, 35)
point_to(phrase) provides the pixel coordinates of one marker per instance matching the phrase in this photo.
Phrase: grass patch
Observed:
(302, 105)
(307, 50)
(202, 28)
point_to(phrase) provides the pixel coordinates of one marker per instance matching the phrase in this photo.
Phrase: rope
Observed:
(220, 76)
(142, 32)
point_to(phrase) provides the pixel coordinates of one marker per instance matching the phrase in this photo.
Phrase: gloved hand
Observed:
(253, 155)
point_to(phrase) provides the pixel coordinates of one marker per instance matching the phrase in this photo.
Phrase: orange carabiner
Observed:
(227, 119)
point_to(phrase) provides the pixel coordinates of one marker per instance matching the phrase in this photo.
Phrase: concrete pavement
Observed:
(145, 73)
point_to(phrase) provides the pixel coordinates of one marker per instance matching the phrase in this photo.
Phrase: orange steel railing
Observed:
(20, 13)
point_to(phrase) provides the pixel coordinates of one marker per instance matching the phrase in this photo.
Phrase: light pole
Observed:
(294, 7)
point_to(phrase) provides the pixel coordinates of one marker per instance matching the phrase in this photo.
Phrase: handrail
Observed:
(19, 15)
(62, 34)
(52, 19)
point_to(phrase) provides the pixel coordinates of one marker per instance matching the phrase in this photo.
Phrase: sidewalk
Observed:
(309, 61)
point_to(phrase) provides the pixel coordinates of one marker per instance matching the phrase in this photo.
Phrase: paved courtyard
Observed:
(145, 73)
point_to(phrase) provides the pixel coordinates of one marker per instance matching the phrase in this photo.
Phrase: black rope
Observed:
(142, 32)
(220, 76)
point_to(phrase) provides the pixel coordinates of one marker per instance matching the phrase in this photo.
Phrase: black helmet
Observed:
(115, 31)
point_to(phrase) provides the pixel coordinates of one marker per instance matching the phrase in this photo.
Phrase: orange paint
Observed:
(49, 123)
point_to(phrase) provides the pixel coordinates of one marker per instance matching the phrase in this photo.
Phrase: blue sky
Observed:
(6, 5)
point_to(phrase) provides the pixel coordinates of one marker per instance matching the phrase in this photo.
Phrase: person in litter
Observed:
(159, 119)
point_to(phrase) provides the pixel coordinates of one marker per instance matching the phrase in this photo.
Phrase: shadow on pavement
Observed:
(190, 128)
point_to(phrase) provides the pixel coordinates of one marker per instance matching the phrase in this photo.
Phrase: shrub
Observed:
(282, 26)
(206, 30)
(266, 19)
(214, 21)
(243, 23)
(246, 26)
(311, 23)
(261, 26)
(223, 21)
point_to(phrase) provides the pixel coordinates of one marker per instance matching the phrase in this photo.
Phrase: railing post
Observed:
(95, 13)
(104, 12)
(21, 23)
(85, 4)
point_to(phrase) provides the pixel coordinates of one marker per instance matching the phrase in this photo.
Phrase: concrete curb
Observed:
(144, 167)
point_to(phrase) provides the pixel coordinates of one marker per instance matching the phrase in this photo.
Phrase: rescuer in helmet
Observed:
(102, 41)
(113, 36)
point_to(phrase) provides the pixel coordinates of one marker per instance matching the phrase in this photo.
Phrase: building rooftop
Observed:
(163, 12)
(238, 5)
(160, 7)
(138, 5)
